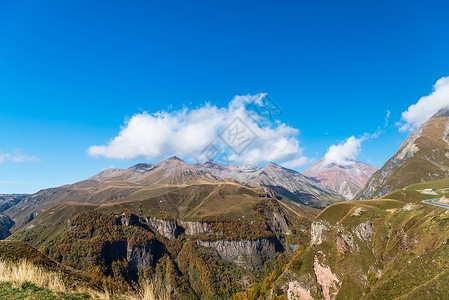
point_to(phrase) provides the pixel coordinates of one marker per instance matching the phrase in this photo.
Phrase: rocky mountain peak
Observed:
(172, 162)
(211, 164)
(444, 112)
(273, 165)
(277, 168)
(175, 158)
(347, 180)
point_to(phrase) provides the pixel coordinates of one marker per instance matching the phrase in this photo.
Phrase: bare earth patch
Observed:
(358, 211)
(296, 291)
(409, 207)
(443, 200)
(327, 280)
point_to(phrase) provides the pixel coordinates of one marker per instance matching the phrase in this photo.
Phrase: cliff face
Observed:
(249, 254)
(166, 228)
(197, 228)
(142, 252)
(244, 253)
(171, 229)
(140, 256)
(277, 220)
(345, 238)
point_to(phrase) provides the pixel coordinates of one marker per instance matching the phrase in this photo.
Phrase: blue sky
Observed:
(71, 73)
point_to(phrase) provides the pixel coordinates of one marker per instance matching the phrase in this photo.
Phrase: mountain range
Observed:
(216, 231)
(150, 181)
(121, 221)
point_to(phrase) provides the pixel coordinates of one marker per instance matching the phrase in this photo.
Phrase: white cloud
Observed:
(188, 132)
(17, 156)
(345, 153)
(426, 107)
(296, 163)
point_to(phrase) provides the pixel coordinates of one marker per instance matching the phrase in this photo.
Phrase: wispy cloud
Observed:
(346, 152)
(387, 118)
(17, 156)
(426, 107)
(188, 132)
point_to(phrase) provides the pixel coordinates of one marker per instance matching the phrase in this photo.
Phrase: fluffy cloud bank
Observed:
(188, 132)
(345, 153)
(427, 106)
(17, 156)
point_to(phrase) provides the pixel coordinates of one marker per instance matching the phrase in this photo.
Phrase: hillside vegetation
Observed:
(204, 231)
(26, 273)
(212, 257)
(395, 247)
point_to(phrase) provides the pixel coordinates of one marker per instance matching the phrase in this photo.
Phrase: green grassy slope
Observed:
(29, 291)
(391, 248)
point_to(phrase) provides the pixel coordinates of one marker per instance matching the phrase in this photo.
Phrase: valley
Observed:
(216, 231)
(223, 224)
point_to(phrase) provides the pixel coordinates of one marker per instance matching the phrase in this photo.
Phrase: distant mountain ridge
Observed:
(9, 200)
(423, 156)
(192, 219)
(173, 175)
(175, 171)
(346, 180)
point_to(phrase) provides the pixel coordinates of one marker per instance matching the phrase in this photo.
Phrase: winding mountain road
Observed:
(432, 202)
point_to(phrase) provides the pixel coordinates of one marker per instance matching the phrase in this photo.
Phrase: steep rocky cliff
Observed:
(166, 227)
(197, 228)
(140, 256)
(250, 254)
(423, 156)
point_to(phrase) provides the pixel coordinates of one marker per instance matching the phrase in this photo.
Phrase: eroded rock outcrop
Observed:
(197, 228)
(348, 238)
(326, 278)
(316, 231)
(364, 231)
(342, 247)
(344, 237)
(140, 256)
(166, 228)
(127, 219)
(279, 222)
(295, 291)
(245, 253)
